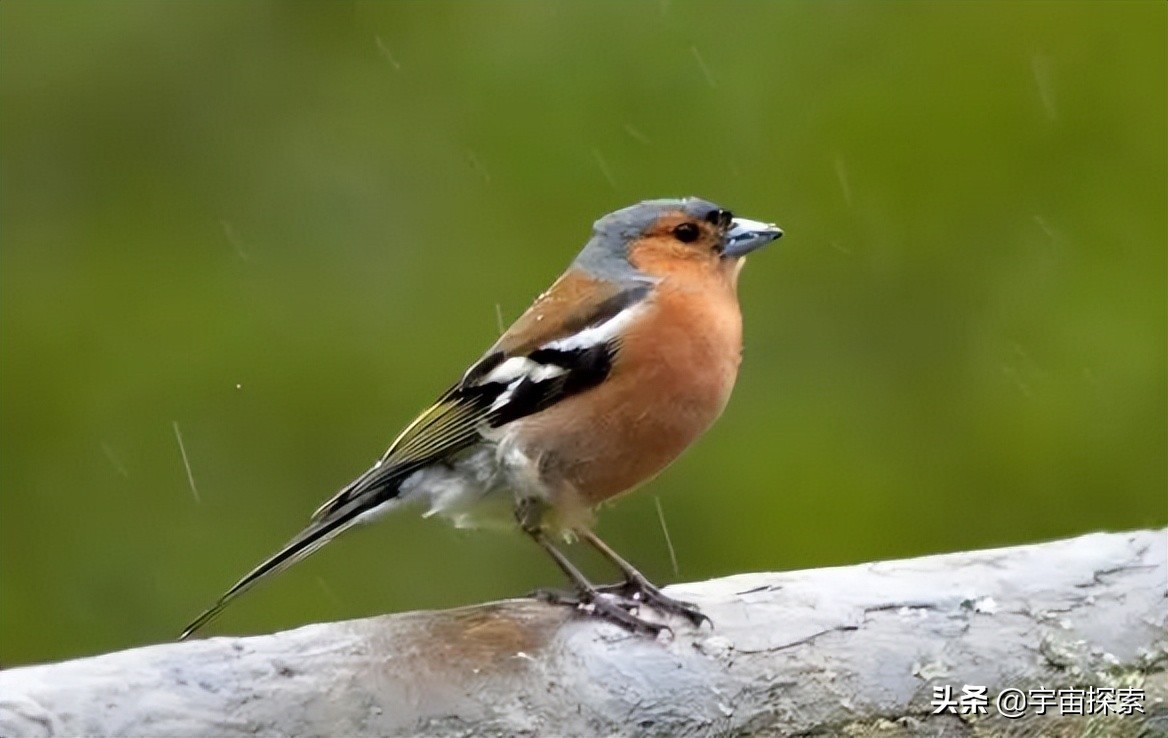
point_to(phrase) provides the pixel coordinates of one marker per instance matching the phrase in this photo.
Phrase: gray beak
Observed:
(746, 235)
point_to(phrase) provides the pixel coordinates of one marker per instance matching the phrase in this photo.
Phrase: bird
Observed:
(600, 384)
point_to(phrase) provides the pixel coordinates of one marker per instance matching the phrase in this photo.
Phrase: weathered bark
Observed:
(852, 650)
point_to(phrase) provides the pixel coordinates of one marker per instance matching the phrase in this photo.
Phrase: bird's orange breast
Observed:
(670, 381)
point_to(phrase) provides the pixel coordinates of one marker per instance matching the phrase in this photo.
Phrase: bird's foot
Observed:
(619, 610)
(609, 605)
(643, 591)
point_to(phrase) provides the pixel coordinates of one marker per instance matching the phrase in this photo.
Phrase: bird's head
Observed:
(657, 235)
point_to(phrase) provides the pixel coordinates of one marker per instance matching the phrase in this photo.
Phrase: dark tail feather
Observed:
(300, 547)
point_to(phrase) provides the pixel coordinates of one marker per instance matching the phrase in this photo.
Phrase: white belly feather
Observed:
(478, 489)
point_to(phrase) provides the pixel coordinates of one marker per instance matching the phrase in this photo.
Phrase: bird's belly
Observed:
(469, 490)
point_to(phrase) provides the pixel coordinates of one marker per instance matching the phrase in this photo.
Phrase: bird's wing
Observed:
(565, 343)
(574, 303)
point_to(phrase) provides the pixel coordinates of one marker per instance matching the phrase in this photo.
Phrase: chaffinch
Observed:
(610, 374)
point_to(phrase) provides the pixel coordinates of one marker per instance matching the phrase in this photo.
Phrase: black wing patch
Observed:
(583, 368)
(482, 368)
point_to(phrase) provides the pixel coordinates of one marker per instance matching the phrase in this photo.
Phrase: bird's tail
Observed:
(326, 525)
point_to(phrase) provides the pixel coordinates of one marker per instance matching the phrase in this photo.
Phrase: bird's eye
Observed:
(687, 232)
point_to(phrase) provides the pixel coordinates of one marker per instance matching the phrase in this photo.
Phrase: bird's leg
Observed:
(590, 599)
(636, 586)
(587, 597)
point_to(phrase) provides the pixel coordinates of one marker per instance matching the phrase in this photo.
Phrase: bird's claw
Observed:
(619, 610)
(618, 603)
(605, 603)
(644, 592)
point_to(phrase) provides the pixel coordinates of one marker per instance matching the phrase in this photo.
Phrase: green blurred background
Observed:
(287, 226)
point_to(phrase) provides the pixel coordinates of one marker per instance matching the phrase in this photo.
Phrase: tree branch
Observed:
(852, 650)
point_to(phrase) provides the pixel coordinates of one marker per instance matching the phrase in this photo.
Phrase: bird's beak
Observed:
(746, 235)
